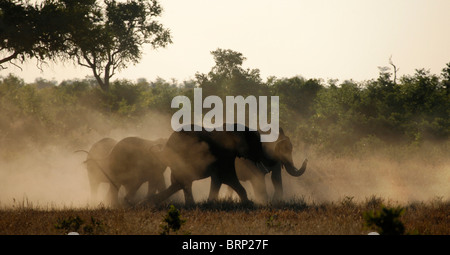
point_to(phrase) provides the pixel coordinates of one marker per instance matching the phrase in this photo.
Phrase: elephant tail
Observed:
(99, 167)
(87, 152)
(104, 173)
(90, 159)
(81, 151)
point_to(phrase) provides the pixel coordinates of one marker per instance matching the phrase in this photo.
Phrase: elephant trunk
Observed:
(290, 168)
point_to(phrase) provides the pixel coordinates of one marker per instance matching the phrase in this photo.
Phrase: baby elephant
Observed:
(130, 163)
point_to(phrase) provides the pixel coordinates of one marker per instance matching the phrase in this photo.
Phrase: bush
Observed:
(386, 220)
(76, 224)
(172, 221)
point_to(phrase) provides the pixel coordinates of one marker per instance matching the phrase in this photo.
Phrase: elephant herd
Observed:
(226, 157)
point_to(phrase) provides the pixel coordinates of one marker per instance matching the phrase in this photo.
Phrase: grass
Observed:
(294, 217)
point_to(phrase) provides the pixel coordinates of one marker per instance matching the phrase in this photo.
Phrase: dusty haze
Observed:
(47, 173)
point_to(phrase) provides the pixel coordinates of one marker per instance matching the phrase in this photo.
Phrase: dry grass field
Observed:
(225, 217)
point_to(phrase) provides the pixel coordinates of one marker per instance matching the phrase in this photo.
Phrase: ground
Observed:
(225, 218)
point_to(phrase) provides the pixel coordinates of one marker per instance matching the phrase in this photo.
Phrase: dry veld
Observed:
(225, 217)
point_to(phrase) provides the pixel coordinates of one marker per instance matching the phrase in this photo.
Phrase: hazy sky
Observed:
(338, 39)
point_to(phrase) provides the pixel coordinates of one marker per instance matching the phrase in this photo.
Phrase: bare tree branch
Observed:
(9, 58)
(395, 69)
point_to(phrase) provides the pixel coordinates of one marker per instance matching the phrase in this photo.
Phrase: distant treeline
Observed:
(332, 115)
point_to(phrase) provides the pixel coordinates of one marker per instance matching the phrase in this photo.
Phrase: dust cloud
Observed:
(397, 175)
(44, 171)
(49, 174)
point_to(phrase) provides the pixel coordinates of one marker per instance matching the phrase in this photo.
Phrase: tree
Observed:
(297, 94)
(106, 39)
(228, 62)
(28, 31)
(446, 80)
(227, 77)
(12, 26)
(395, 69)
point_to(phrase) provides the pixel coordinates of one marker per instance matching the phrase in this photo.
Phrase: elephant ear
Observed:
(253, 146)
(243, 151)
(278, 145)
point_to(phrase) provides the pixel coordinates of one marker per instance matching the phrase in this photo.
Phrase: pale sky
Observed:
(339, 39)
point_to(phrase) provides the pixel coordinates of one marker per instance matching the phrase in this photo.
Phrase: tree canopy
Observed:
(112, 37)
(105, 37)
(28, 31)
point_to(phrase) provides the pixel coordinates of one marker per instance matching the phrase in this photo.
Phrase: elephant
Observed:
(280, 151)
(96, 161)
(194, 155)
(134, 161)
(130, 163)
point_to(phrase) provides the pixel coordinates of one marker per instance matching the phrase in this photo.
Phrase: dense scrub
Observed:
(340, 118)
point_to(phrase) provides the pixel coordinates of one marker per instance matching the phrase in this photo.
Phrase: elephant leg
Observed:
(159, 183)
(113, 195)
(215, 187)
(151, 188)
(236, 185)
(188, 196)
(259, 186)
(94, 189)
(131, 190)
(163, 195)
(277, 183)
(155, 183)
(232, 181)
